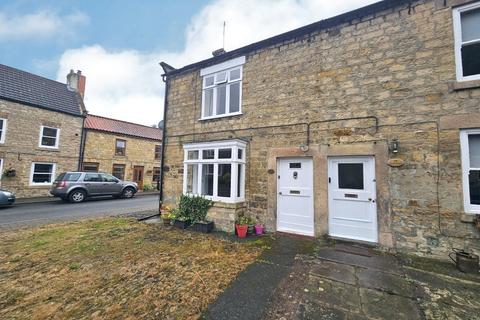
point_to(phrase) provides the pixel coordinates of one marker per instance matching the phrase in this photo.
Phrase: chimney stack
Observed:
(76, 82)
(218, 52)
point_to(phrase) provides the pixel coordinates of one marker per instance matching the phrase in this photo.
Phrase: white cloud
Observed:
(127, 84)
(39, 25)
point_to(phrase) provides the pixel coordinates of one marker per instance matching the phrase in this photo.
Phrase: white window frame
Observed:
(457, 30)
(32, 168)
(465, 154)
(225, 67)
(4, 130)
(235, 145)
(57, 138)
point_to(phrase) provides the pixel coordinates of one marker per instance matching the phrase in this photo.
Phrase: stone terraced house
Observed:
(364, 126)
(127, 150)
(40, 130)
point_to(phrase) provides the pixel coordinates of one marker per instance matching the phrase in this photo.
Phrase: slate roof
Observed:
(99, 123)
(29, 89)
(298, 33)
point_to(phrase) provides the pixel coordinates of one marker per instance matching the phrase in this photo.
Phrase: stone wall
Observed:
(21, 146)
(396, 67)
(100, 148)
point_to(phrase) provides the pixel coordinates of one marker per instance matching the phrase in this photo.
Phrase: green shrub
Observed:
(243, 220)
(148, 187)
(193, 208)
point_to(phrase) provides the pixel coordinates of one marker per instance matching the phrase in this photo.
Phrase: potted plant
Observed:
(168, 214)
(251, 226)
(259, 229)
(198, 209)
(10, 172)
(182, 214)
(241, 225)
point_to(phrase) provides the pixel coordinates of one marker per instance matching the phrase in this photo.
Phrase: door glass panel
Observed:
(207, 179)
(295, 165)
(474, 150)
(224, 179)
(350, 176)
(474, 180)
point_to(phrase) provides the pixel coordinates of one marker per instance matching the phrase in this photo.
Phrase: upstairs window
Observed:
(466, 21)
(470, 145)
(49, 137)
(120, 146)
(3, 130)
(222, 89)
(158, 152)
(215, 170)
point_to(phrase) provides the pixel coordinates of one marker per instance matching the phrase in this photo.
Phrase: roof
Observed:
(293, 34)
(29, 89)
(99, 123)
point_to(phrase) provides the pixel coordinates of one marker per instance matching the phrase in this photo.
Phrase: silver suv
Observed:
(77, 186)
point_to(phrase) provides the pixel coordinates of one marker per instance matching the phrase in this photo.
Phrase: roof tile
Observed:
(122, 127)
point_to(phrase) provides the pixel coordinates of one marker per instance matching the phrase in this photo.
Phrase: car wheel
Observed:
(77, 196)
(128, 193)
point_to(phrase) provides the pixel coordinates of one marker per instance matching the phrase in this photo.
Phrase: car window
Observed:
(108, 178)
(92, 177)
(71, 176)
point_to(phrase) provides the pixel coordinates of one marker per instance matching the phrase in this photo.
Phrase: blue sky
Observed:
(118, 44)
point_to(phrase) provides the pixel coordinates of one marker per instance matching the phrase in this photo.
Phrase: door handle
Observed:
(279, 193)
(371, 200)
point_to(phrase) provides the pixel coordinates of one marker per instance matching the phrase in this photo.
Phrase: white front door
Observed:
(295, 196)
(352, 204)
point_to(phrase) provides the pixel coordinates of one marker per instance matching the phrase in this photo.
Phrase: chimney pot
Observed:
(76, 82)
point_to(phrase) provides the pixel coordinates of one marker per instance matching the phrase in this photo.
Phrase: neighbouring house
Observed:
(127, 150)
(40, 129)
(364, 126)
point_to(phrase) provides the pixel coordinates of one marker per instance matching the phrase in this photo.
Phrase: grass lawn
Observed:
(114, 268)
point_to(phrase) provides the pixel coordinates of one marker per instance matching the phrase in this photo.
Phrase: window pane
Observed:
(120, 143)
(1, 124)
(350, 176)
(208, 103)
(119, 171)
(240, 154)
(225, 153)
(208, 154)
(470, 59)
(41, 178)
(224, 180)
(158, 152)
(50, 132)
(235, 74)
(474, 180)
(221, 99)
(90, 167)
(92, 177)
(43, 168)
(474, 150)
(192, 178)
(192, 155)
(156, 174)
(209, 81)
(470, 25)
(221, 77)
(50, 142)
(235, 97)
(207, 179)
(239, 180)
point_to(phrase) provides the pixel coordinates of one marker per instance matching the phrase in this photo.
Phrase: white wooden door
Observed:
(352, 198)
(295, 196)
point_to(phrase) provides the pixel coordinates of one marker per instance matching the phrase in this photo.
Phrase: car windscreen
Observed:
(68, 176)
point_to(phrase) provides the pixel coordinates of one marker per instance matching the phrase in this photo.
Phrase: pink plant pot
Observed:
(258, 229)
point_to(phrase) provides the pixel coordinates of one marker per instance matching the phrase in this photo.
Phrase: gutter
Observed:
(167, 68)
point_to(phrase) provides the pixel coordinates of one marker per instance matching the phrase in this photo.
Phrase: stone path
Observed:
(307, 279)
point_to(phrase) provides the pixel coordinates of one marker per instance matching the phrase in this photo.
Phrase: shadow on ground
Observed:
(300, 278)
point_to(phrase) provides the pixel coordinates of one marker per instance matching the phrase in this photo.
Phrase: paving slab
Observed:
(386, 282)
(334, 271)
(380, 305)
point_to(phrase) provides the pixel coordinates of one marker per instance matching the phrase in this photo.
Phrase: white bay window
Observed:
(222, 89)
(215, 170)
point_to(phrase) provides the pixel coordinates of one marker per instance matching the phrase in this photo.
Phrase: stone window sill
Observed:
(463, 85)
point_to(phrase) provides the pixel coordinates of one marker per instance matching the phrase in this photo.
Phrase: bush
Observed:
(148, 187)
(243, 220)
(193, 208)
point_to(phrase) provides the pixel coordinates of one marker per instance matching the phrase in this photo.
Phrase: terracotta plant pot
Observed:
(241, 230)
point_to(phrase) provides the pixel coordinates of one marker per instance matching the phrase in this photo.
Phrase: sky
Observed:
(117, 44)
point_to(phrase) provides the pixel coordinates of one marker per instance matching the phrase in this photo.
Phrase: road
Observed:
(22, 215)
